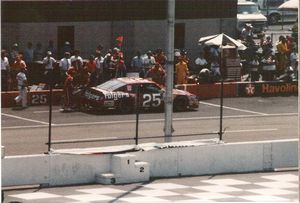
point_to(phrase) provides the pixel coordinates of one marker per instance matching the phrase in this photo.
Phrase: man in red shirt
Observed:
(68, 90)
(91, 67)
(157, 74)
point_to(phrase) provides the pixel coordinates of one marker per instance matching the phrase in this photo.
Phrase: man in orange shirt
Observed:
(282, 54)
(182, 71)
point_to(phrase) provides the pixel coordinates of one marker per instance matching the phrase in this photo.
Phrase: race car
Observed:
(121, 94)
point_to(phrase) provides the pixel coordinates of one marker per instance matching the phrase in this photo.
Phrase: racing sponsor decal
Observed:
(250, 89)
(116, 95)
(91, 96)
(268, 89)
(281, 88)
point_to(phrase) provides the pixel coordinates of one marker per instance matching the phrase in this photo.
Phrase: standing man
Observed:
(64, 66)
(157, 74)
(182, 71)
(49, 63)
(4, 71)
(99, 68)
(137, 64)
(68, 90)
(283, 50)
(22, 87)
(148, 61)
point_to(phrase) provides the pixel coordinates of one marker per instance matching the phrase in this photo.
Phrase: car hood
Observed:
(181, 92)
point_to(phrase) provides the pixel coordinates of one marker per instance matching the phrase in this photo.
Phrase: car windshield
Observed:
(111, 85)
(248, 9)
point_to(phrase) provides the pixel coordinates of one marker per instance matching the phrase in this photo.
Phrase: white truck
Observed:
(248, 12)
(269, 8)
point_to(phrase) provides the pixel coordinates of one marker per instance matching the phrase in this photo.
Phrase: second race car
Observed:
(121, 94)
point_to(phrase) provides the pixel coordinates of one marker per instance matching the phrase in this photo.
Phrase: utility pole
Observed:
(170, 72)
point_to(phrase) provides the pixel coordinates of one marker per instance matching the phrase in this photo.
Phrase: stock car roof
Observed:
(133, 80)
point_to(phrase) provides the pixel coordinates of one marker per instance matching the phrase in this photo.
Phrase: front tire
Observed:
(180, 104)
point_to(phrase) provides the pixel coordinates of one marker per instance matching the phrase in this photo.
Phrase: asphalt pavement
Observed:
(244, 119)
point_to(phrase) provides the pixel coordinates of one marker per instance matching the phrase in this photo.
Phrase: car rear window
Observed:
(111, 85)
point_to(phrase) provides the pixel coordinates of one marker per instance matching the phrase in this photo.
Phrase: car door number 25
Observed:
(151, 98)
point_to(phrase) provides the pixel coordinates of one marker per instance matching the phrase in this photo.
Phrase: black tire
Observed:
(273, 19)
(125, 107)
(180, 104)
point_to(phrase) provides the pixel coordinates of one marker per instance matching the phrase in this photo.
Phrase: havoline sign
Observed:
(267, 89)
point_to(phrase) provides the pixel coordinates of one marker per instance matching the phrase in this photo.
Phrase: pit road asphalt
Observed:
(245, 119)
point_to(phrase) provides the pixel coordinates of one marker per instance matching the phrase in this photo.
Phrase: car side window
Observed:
(151, 88)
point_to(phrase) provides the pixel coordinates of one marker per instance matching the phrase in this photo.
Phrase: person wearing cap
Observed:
(99, 68)
(247, 32)
(66, 48)
(64, 66)
(22, 87)
(49, 63)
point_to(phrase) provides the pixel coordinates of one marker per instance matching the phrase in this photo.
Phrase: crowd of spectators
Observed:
(102, 66)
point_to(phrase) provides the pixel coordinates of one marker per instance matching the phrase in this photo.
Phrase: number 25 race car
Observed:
(121, 94)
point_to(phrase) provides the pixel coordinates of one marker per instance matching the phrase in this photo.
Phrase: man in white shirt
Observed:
(22, 87)
(148, 61)
(99, 67)
(76, 57)
(49, 63)
(4, 71)
(201, 62)
(64, 66)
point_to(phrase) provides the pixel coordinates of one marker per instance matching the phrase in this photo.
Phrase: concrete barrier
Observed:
(158, 160)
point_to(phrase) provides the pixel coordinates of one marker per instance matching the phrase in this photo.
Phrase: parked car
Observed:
(248, 13)
(269, 8)
(121, 94)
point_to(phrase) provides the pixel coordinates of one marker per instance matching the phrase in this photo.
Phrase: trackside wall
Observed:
(203, 91)
(61, 169)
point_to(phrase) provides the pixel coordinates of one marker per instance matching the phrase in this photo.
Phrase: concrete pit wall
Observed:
(59, 169)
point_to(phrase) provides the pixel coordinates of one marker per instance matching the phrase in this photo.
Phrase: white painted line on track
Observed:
(53, 111)
(249, 130)
(151, 120)
(235, 109)
(26, 119)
